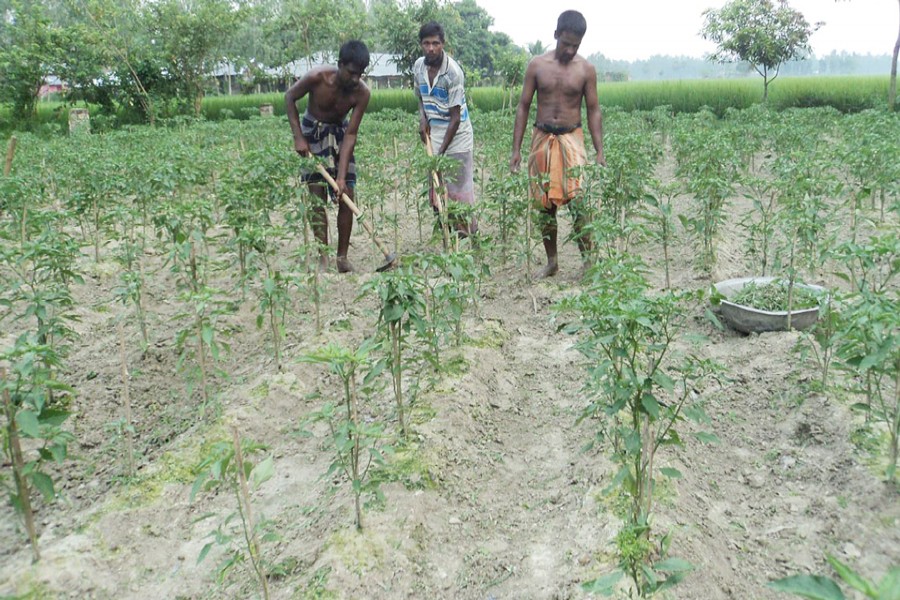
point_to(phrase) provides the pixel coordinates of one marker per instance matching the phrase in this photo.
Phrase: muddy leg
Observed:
(345, 228)
(549, 231)
(318, 219)
(582, 235)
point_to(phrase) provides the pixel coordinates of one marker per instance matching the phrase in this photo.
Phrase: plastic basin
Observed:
(753, 320)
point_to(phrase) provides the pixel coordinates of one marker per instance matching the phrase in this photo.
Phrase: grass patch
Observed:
(173, 467)
(317, 587)
(409, 467)
(494, 336)
(357, 550)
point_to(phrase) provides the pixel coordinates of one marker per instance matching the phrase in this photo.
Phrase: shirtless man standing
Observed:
(562, 79)
(325, 132)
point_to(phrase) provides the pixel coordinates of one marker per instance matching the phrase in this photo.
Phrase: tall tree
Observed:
(192, 35)
(760, 32)
(470, 41)
(139, 80)
(398, 25)
(537, 48)
(466, 26)
(315, 29)
(28, 48)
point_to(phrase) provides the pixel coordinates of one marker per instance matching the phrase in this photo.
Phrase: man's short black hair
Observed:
(571, 21)
(430, 29)
(354, 52)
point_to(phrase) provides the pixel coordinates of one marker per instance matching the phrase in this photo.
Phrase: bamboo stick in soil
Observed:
(10, 153)
(18, 468)
(247, 514)
(126, 400)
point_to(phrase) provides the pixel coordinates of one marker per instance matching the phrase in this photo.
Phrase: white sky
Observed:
(637, 29)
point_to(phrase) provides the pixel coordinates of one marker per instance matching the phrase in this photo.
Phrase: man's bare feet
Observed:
(323, 263)
(344, 265)
(550, 270)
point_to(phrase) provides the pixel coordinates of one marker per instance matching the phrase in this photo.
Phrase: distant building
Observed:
(51, 85)
(382, 73)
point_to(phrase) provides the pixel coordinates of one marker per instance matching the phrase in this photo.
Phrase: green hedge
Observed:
(845, 93)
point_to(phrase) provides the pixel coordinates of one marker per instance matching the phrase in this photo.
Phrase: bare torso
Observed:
(560, 89)
(327, 102)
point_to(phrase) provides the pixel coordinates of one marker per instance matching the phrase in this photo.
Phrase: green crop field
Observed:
(193, 408)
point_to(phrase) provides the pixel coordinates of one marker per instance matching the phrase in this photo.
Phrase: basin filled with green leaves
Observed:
(757, 304)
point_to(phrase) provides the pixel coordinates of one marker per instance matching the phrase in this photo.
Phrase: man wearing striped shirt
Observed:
(439, 82)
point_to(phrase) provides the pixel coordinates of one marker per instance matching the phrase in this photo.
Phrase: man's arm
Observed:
(594, 114)
(452, 128)
(349, 141)
(424, 127)
(297, 91)
(457, 97)
(522, 111)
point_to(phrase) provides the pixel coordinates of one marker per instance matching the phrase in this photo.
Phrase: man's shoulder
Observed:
(321, 75)
(454, 71)
(419, 65)
(582, 62)
(322, 70)
(363, 91)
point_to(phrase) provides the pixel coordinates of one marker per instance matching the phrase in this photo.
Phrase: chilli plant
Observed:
(869, 351)
(641, 391)
(402, 296)
(34, 416)
(228, 467)
(357, 439)
(818, 587)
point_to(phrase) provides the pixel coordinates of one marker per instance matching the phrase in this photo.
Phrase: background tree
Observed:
(759, 32)
(82, 64)
(536, 48)
(510, 64)
(138, 80)
(398, 23)
(472, 44)
(256, 42)
(466, 26)
(315, 29)
(192, 36)
(28, 49)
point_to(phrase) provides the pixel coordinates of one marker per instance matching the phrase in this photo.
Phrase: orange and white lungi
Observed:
(554, 181)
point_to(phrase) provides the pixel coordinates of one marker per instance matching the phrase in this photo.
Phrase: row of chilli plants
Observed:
(848, 94)
(812, 194)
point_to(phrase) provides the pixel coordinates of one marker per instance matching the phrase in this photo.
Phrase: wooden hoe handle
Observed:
(353, 208)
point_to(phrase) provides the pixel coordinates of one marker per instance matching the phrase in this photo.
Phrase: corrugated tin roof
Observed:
(380, 65)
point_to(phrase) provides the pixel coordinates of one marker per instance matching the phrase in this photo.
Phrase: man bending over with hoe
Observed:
(325, 132)
(562, 79)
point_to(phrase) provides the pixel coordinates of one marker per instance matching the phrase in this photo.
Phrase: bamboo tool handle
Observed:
(436, 182)
(434, 175)
(353, 208)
